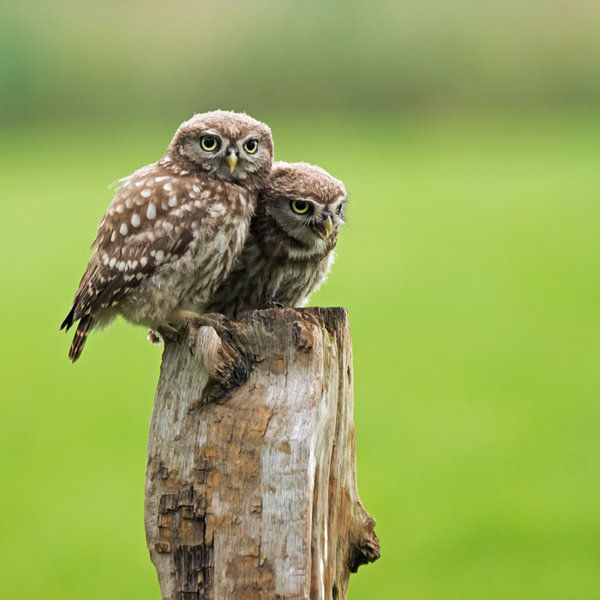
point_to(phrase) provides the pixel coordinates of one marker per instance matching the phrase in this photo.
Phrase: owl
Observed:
(290, 247)
(175, 227)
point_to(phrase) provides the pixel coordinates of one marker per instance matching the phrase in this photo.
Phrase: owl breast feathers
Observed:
(174, 228)
(290, 247)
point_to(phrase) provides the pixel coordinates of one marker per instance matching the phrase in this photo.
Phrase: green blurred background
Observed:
(468, 134)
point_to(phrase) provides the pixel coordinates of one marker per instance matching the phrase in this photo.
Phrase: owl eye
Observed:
(209, 143)
(251, 146)
(300, 207)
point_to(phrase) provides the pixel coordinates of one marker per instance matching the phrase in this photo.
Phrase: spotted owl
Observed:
(290, 247)
(174, 228)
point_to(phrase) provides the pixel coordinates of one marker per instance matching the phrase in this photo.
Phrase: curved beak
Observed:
(232, 160)
(324, 227)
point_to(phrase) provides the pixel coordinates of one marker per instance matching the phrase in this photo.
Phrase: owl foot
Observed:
(193, 322)
(167, 333)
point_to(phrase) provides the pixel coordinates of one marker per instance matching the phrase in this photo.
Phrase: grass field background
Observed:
(470, 269)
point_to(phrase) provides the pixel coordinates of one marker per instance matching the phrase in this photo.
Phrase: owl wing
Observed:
(150, 223)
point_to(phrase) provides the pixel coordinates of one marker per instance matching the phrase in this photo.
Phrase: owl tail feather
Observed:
(69, 320)
(80, 337)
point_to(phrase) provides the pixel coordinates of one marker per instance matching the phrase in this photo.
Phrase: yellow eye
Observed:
(300, 207)
(209, 143)
(251, 146)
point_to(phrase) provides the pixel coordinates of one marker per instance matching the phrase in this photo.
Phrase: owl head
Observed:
(227, 145)
(307, 205)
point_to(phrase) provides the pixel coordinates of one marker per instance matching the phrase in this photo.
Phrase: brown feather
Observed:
(173, 229)
(80, 337)
(284, 261)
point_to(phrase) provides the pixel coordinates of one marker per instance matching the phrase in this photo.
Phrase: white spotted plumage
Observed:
(160, 248)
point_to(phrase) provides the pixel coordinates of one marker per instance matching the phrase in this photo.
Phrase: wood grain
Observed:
(251, 481)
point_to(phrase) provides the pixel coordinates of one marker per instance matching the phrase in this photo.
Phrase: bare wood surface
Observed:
(251, 481)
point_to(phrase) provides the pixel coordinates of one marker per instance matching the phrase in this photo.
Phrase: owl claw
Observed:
(168, 333)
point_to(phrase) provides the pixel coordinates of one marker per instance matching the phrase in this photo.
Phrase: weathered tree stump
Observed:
(251, 483)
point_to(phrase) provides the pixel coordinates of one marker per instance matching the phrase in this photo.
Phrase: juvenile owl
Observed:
(174, 228)
(290, 247)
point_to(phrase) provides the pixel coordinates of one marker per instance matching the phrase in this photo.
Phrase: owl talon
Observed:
(193, 321)
(168, 333)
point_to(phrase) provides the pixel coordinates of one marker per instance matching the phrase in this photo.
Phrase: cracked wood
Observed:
(251, 481)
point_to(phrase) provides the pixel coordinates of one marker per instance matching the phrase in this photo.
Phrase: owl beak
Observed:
(325, 227)
(232, 161)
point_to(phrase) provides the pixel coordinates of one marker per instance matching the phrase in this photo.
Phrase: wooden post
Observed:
(251, 483)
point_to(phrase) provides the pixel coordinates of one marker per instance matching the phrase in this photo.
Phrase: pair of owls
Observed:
(212, 227)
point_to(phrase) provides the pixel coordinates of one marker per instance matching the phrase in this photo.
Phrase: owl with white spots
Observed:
(175, 227)
(291, 244)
